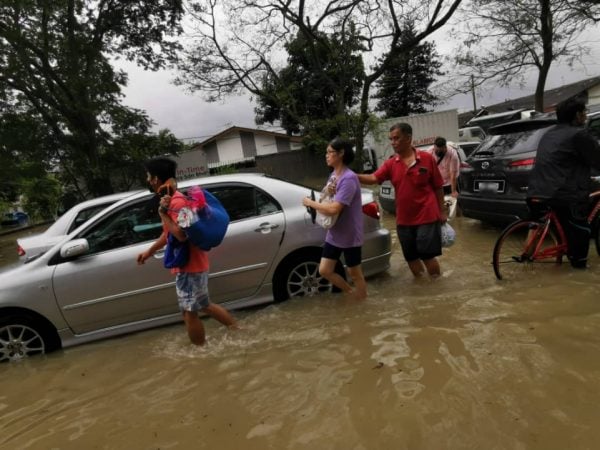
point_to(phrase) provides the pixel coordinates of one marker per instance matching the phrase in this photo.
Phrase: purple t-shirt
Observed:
(348, 229)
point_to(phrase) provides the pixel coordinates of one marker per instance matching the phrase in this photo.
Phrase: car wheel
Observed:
(21, 337)
(299, 277)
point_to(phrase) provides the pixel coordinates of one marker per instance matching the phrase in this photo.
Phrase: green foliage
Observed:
(42, 197)
(55, 70)
(320, 84)
(224, 170)
(403, 88)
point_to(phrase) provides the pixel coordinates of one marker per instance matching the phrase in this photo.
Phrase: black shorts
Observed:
(352, 255)
(420, 241)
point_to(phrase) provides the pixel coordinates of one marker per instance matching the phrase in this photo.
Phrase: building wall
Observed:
(212, 152)
(230, 147)
(303, 167)
(248, 144)
(244, 144)
(265, 144)
(191, 164)
(594, 95)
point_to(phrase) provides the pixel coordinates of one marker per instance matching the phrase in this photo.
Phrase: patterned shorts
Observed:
(192, 291)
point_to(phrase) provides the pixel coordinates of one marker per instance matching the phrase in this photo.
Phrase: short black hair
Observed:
(339, 144)
(162, 168)
(404, 127)
(568, 109)
(439, 141)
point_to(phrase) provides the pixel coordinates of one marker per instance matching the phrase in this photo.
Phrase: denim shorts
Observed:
(192, 291)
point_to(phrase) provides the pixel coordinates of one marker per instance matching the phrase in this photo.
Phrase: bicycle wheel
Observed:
(596, 232)
(513, 253)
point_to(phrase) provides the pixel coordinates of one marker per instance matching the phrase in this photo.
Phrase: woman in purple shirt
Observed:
(346, 235)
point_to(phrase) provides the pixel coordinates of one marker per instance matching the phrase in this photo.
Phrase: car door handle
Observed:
(265, 227)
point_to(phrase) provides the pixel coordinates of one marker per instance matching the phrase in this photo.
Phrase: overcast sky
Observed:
(189, 117)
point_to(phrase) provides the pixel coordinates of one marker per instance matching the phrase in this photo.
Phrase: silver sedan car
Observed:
(89, 286)
(31, 246)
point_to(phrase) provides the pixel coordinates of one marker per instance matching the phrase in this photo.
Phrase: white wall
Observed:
(230, 148)
(265, 145)
(594, 95)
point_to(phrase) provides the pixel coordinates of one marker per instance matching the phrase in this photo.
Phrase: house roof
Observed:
(551, 98)
(236, 129)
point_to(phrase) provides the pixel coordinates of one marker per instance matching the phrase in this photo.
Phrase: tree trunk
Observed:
(547, 33)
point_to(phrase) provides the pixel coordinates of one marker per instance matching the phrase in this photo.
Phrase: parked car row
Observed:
(88, 286)
(14, 219)
(494, 180)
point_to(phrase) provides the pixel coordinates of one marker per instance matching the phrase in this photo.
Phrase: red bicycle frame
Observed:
(539, 236)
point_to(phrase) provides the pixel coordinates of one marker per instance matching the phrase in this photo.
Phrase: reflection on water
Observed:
(462, 362)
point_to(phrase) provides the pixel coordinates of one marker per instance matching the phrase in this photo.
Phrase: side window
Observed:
(85, 214)
(242, 202)
(135, 223)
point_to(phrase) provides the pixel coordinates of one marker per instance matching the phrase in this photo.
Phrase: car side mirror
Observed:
(74, 248)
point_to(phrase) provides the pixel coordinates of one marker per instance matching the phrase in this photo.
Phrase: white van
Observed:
(471, 134)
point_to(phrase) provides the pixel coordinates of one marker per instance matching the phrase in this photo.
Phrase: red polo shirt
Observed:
(415, 186)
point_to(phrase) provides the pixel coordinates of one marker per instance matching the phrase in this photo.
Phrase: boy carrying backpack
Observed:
(191, 279)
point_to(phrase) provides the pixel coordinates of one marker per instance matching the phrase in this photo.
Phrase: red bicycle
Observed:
(527, 244)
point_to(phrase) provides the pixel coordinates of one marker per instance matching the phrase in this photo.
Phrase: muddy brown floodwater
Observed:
(463, 362)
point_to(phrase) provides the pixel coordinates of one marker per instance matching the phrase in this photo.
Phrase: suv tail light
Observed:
(522, 164)
(20, 251)
(371, 210)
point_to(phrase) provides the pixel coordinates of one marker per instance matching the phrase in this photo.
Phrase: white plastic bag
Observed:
(448, 235)
(450, 205)
(324, 220)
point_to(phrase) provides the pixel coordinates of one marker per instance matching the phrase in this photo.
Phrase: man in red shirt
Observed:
(419, 200)
(191, 280)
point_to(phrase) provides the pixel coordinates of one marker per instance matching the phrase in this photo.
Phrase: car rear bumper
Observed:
(388, 204)
(493, 210)
(376, 252)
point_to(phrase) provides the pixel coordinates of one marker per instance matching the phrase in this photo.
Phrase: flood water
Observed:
(462, 362)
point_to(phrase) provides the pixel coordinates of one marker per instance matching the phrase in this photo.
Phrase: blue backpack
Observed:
(207, 226)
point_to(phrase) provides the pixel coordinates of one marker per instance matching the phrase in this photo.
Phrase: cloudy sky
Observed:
(189, 117)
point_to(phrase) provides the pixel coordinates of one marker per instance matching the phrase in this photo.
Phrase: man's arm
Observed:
(156, 246)
(454, 172)
(439, 194)
(171, 226)
(367, 178)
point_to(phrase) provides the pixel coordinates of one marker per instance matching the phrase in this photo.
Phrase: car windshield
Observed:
(510, 143)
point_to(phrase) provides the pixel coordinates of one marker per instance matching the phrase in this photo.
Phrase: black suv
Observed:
(493, 182)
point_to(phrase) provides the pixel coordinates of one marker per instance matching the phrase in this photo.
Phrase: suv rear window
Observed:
(512, 140)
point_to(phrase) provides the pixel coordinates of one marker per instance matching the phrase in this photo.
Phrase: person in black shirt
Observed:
(561, 179)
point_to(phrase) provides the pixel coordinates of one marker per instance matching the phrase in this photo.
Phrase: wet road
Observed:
(463, 362)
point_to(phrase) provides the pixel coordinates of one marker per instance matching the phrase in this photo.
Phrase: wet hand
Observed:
(142, 257)
(165, 201)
